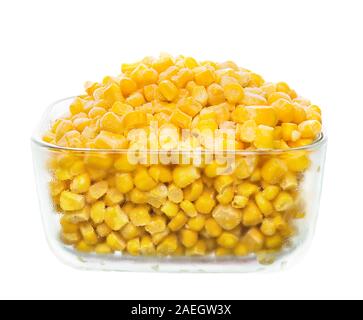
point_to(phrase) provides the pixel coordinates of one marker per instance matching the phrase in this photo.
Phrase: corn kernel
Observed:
(143, 180)
(124, 182)
(133, 247)
(204, 76)
(194, 190)
(103, 230)
(310, 128)
(139, 215)
(233, 92)
(247, 189)
(205, 203)
(270, 192)
(264, 137)
(227, 240)
(88, 233)
(110, 121)
(289, 181)
(108, 140)
(226, 196)
(175, 194)
(82, 246)
(178, 222)
(273, 242)
(168, 90)
(273, 170)
(251, 216)
(284, 110)
(167, 246)
(199, 249)
(170, 209)
(239, 202)
(212, 228)
(222, 182)
(70, 238)
(253, 240)
(200, 94)
(189, 106)
(115, 218)
(181, 119)
(138, 197)
(115, 242)
(297, 161)
(70, 201)
(197, 223)
(283, 201)
(227, 217)
(103, 248)
(247, 131)
(98, 190)
(263, 204)
(268, 227)
(161, 173)
(130, 231)
(189, 208)
(134, 119)
(183, 176)
(156, 224)
(147, 247)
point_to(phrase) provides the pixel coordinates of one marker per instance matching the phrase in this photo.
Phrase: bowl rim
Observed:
(36, 139)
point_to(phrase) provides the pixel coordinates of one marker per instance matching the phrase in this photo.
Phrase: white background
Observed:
(49, 48)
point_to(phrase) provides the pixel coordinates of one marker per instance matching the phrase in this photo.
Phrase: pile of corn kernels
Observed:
(107, 204)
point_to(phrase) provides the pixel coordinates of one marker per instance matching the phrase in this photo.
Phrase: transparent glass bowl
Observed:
(300, 217)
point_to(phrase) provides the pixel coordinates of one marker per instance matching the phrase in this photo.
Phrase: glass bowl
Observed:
(293, 210)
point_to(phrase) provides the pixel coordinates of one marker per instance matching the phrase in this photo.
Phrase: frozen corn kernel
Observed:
(138, 197)
(175, 194)
(270, 192)
(103, 230)
(194, 190)
(226, 196)
(183, 176)
(181, 119)
(200, 94)
(251, 215)
(83, 247)
(124, 182)
(123, 164)
(143, 180)
(170, 209)
(263, 204)
(156, 224)
(253, 240)
(103, 248)
(189, 208)
(88, 233)
(178, 222)
(168, 245)
(115, 218)
(168, 90)
(199, 249)
(273, 170)
(133, 247)
(115, 242)
(310, 129)
(247, 189)
(283, 201)
(289, 181)
(204, 76)
(205, 203)
(81, 183)
(268, 227)
(227, 240)
(70, 238)
(273, 242)
(212, 228)
(98, 190)
(227, 217)
(110, 121)
(147, 247)
(140, 216)
(239, 201)
(197, 223)
(222, 182)
(70, 201)
(161, 173)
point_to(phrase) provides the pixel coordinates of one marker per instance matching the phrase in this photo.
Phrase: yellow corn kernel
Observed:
(274, 242)
(140, 216)
(112, 93)
(190, 62)
(247, 189)
(157, 196)
(168, 245)
(124, 182)
(127, 86)
(138, 197)
(189, 106)
(96, 112)
(215, 94)
(183, 176)
(253, 99)
(115, 242)
(284, 109)
(110, 121)
(270, 192)
(211, 170)
(253, 240)
(70, 201)
(188, 238)
(183, 76)
(247, 131)
(134, 119)
(67, 226)
(245, 167)
(240, 114)
(268, 227)
(226, 196)
(227, 240)
(264, 205)
(264, 137)
(115, 218)
(204, 76)
(98, 212)
(297, 161)
(133, 247)
(200, 94)
(290, 132)
(98, 161)
(199, 249)
(62, 174)
(103, 248)
(194, 190)
(178, 222)
(103, 230)
(70, 238)
(76, 106)
(189, 208)
(147, 247)
(227, 217)
(123, 164)
(289, 181)
(283, 201)
(88, 233)
(108, 140)
(156, 224)
(181, 119)
(170, 209)
(251, 215)
(143, 180)
(63, 127)
(98, 190)
(241, 250)
(197, 223)
(162, 63)
(56, 187)
(212, 228)
(168, 90)
(233, 92)
(222, 182)
(262, 115)
(161, 173)
(274, 96)
(130, 231)
(310, 128)
(239, 201)
(175, 194)
(160, 236)
(82, 246)
(223, 252)
(205, 203)
(273, 170)
(136, 99)
(113, 197)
